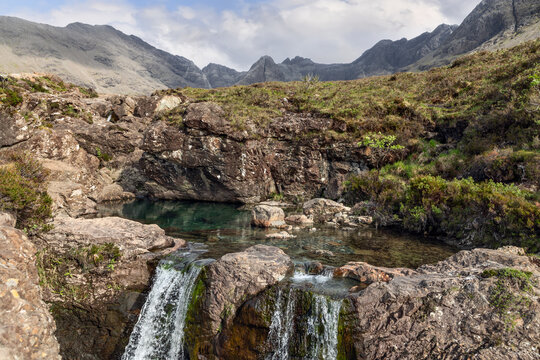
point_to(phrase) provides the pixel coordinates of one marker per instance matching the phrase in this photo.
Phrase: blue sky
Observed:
(236, 33)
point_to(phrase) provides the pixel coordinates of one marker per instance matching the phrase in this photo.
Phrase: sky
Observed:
(237, 33)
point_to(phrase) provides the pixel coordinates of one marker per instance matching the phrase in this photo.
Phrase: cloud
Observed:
(324, 30)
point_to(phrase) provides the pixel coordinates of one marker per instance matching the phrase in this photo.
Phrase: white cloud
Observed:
(324, 30)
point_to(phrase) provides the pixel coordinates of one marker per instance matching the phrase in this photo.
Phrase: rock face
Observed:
(223, 287)
(26, 327)
(267, 216)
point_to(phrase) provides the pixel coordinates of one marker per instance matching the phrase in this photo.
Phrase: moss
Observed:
(10, 97)
(511, 294)
(193, 336)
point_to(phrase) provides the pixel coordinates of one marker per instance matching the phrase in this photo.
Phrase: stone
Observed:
(7, 219)
(268, 216)
(445, 310)
(26, 326)
(367, 274)
(167, 103)
(299, 220)
(280, 235)
(323, 210)
(228, 283)
(114, 192)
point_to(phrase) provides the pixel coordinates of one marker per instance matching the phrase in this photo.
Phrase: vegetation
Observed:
(56, 270)
(510, 297)
(23, 192)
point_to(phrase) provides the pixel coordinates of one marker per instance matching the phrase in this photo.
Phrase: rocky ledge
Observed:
(481, 304)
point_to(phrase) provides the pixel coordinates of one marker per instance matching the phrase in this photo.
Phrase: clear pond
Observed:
(225, 228)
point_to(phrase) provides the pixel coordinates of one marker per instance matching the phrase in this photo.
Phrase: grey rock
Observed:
(268, 216)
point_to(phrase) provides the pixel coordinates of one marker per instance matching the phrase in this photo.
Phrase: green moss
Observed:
(10, 97)
(511, 294)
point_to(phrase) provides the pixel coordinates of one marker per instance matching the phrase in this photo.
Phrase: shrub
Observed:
(22, 191)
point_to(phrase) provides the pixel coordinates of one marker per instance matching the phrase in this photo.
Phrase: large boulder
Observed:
(26, 327)
(224, 286)
(268, 216)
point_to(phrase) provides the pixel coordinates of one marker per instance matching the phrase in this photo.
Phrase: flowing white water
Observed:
(322, 327)
(281, 326)
(159, 332)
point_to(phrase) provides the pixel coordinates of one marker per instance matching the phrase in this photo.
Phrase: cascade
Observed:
(159, 332)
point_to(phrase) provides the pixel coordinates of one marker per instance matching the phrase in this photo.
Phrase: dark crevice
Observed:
(514, 12)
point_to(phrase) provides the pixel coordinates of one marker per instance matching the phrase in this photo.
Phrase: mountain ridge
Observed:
(110, 61)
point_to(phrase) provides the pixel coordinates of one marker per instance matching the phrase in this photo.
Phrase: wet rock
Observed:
(26, 327)
(226, 284)
(268, 216)
(7, 219)
(367, 274)
(280, 235)
(299, 220)
(323, 210)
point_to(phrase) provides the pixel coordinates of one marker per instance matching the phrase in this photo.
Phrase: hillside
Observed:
(100, 57)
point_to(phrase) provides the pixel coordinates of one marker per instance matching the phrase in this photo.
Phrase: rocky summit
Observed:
(427, 184)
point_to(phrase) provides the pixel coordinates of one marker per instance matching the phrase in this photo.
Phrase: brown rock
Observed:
(229, 282)
(268, 216)
(323, 210)
(26, 327)
(299, 220)
(368, 274)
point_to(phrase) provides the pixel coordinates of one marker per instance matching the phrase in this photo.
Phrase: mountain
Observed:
(100, 57)
(493, 24)
(110, 61)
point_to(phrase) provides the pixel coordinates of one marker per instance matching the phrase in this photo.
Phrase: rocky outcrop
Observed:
(480, 303)
(26, 327)
(223, 287)
(267, 216)
(94, 272)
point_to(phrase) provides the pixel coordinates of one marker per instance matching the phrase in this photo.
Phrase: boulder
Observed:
(268, 216)
(114, 192)
(26, 327)
(323, 210)
(452, 309)
(228, 283)
(302, 220)
(367, 274)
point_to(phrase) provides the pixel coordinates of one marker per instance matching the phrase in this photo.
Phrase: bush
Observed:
(22, 191)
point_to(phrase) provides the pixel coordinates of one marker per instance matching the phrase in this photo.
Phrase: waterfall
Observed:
(281, 326)
(323, 327)
(159, 332)
(319, 324)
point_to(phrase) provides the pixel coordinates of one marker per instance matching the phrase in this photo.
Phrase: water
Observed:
(159, 332)
(225, 229)
(313, 334)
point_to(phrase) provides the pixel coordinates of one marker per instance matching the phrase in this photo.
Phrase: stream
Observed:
(219, 229)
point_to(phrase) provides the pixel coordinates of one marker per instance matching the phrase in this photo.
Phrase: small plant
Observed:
(103, 156)
(535, 79)
(12, 97)
(276, 196)
(382, 146)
